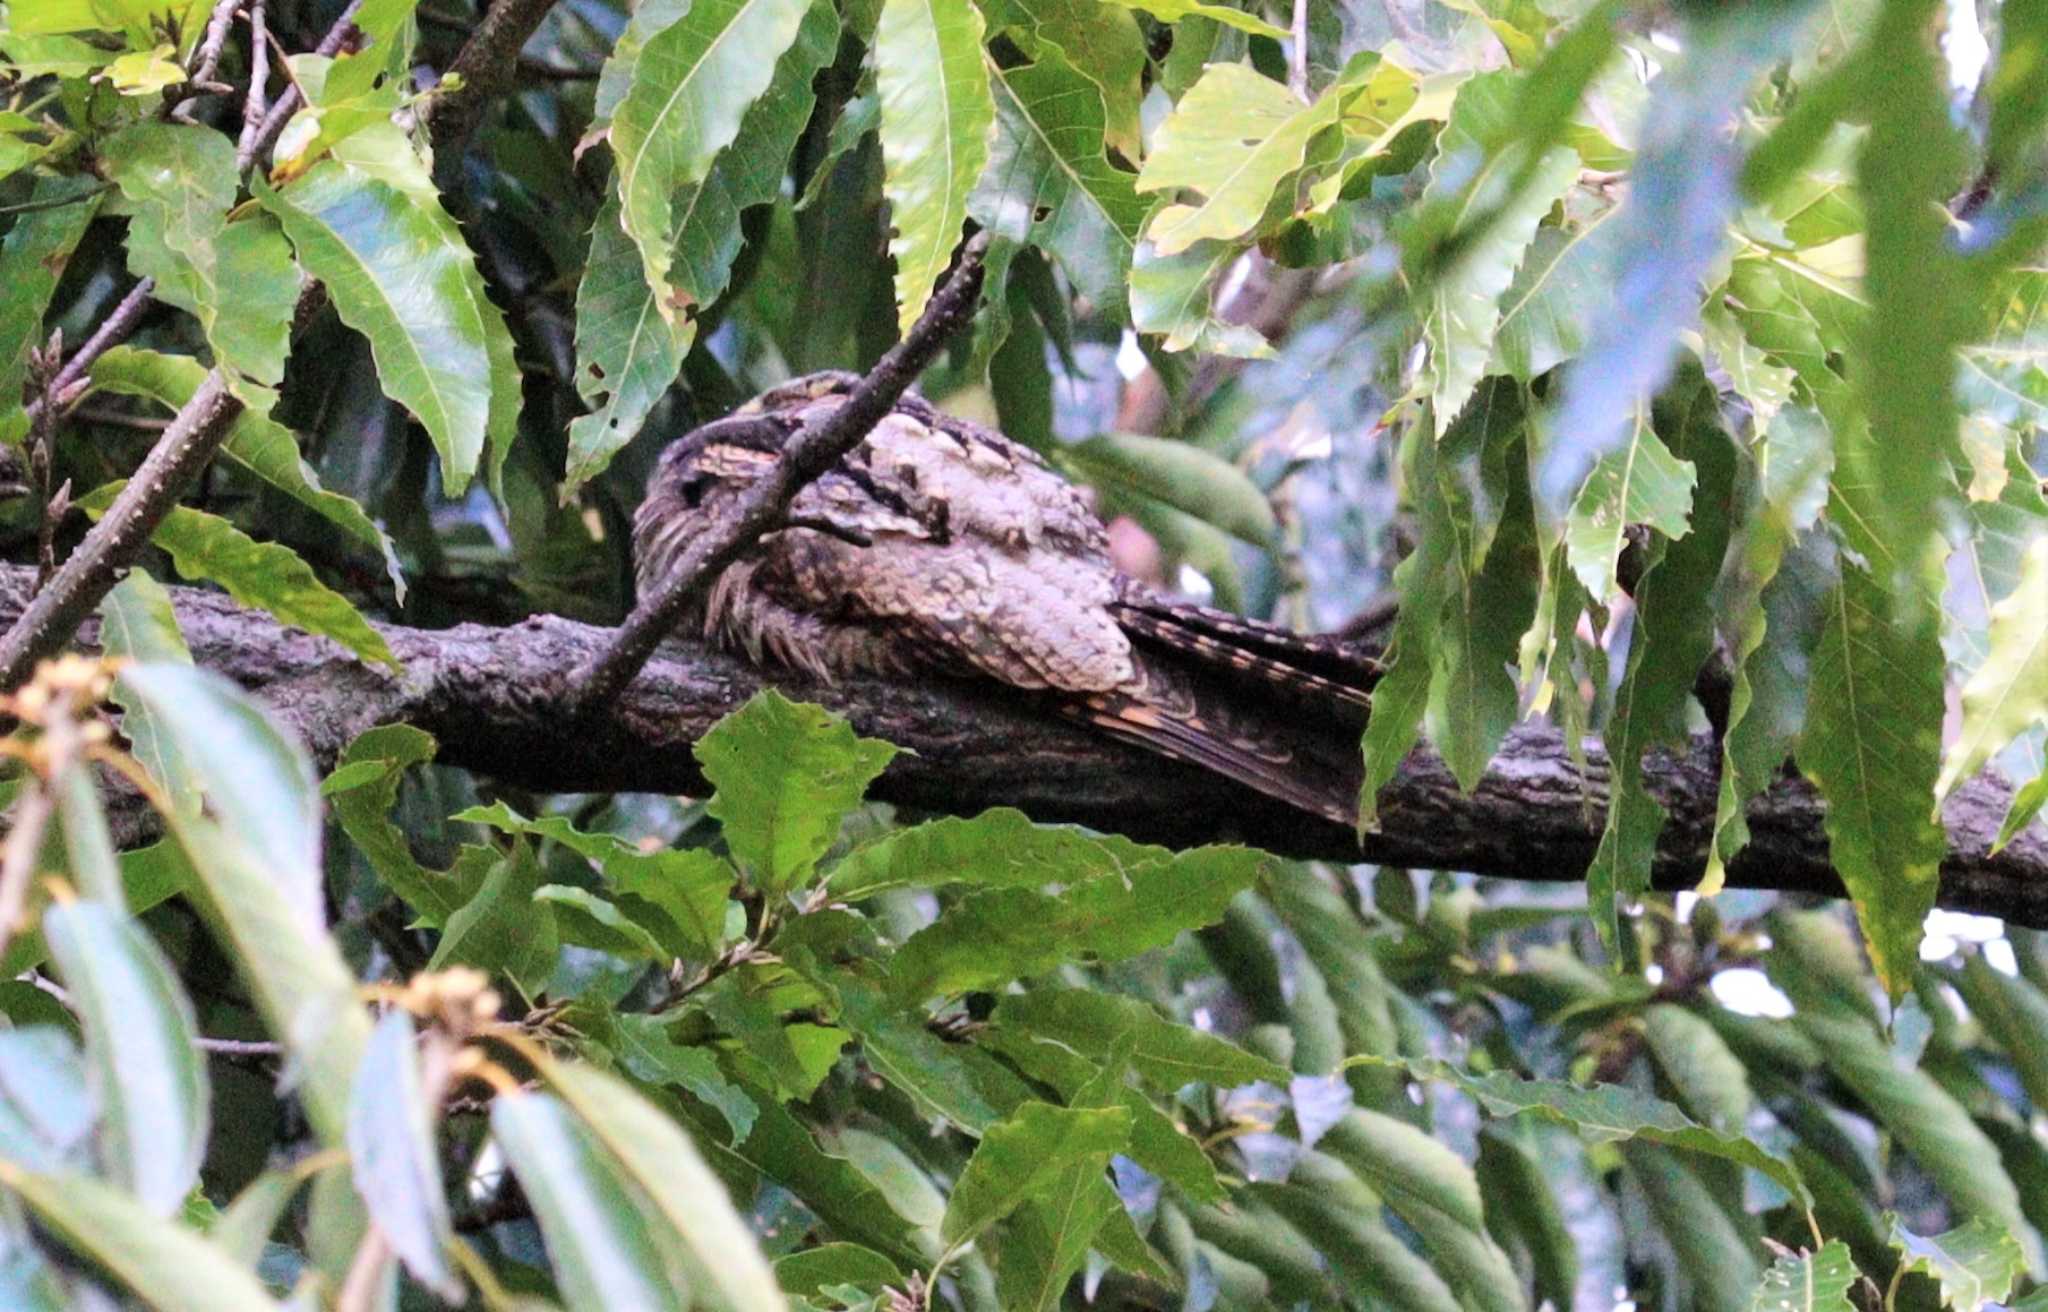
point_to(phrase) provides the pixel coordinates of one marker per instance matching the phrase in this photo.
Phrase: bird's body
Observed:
(940, 546)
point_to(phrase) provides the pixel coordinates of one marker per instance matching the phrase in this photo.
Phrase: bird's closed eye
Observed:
(693, 490)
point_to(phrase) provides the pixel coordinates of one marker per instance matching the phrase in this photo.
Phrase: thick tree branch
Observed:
(809, 453)
(490, 695)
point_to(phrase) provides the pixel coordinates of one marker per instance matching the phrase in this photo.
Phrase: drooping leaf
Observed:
(1179, 474)
(362, 790)
(237, 278)
(627, 352)
(264, 447)
(265, 575)
(392, 1154)
(32, 259)
(663, 1164)
(1049, 181)
(1640, 482)
(1166, 1055)
(1000, 848)
(161, 1261)
(607, 1247)
(1171, 295)
(1668, 233)
(692, 84)
(1604, 1114)
(936, 121)
(1464, 300)
(787, 774)
(141, 1049)
(2009, 692)
(1873, 747)
(1920, 299)
(401, 275)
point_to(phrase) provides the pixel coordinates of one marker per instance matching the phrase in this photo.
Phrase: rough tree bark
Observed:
(495, 698)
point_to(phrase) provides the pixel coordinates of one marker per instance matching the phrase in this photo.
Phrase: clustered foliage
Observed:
(1647, 340)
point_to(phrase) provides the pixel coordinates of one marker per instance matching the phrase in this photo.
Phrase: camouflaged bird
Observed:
(938, 545)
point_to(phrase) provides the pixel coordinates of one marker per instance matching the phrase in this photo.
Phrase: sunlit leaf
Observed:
(786, 773)
(2009, 691)
(691, 86)
(401, 275)
(937, 118)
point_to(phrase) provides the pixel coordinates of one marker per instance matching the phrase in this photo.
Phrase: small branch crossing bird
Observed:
(940, 546)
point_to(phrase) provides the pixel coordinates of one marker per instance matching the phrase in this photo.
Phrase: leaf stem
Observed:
(765, 508)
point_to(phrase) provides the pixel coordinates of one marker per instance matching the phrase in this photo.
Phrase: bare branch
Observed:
(48, 622)
(491, 697)
(256, 106)
(486, 66)
(808, 454)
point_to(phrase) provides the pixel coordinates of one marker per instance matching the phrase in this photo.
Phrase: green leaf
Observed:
(362, 791)
(691, 86)
(141, 1050)
(787, 773)
(662, 1163)
(32, 258)
(396, 1164)
(812, 1269)
(260, 445)
(1709, 1078)
(2015, 1013)
(937, 116)
(646, 1051)
(607, 1246)
(265, 575)
(1335, 1211)
(627, 352)
(2009, 692)
(1179, 474)
(1464, 313)
(1873, 748)
(1172, 11)
(991, 937)
(1049, 180)
(1603, 1114)
(1808, 1282)
(244, 1226)
(1977, 1262)
(2027, 802)
(1921, 300)
(1170, 295)
(589, 921)
(1232, 139)
(501, 929)
(169, 1266)
(1164, 1054)
(1546, 314)
(1101, 42)
(1430, 1187)
(238, 278)
(1024, 1156)
(1671, 229)
(1710, 1240)
(1674, 635)
(1000, 848)
(46, 1114)
(401, 275)
(257, 782)
(1640, 482)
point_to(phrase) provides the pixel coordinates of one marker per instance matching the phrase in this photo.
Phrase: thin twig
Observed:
(239, 1047)
(288, 100)
(206, 60)
(113, 330)
(809, 453)
(56, 202)
(90, 571)
(259, 80)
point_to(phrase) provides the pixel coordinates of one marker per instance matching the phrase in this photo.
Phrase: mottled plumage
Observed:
(938, 545)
